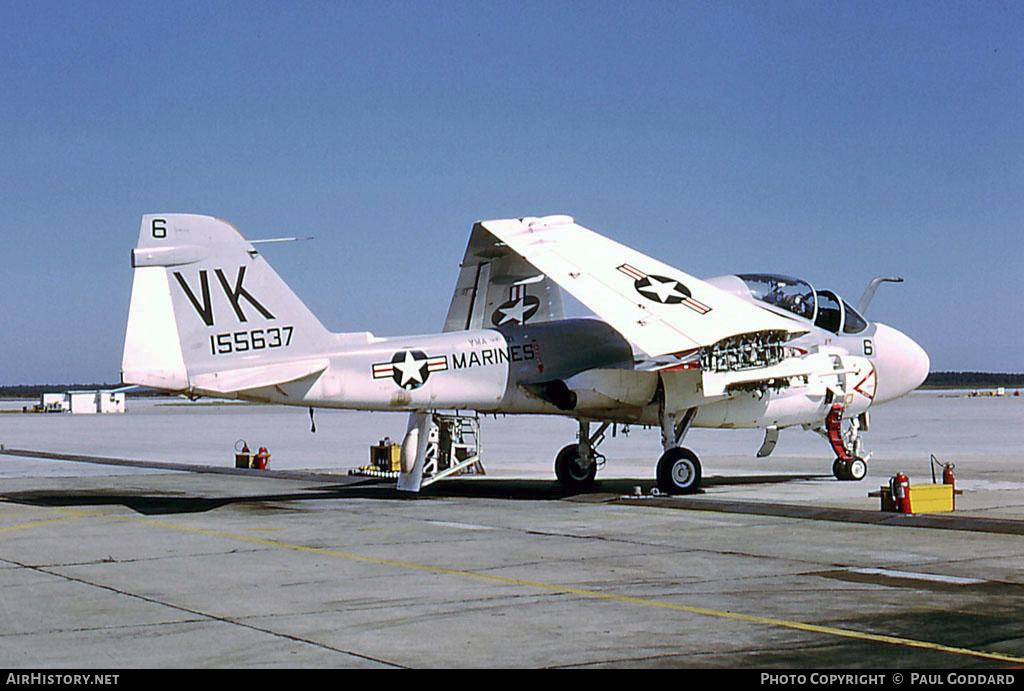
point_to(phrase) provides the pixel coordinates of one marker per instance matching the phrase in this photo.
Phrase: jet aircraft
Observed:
(210, 317)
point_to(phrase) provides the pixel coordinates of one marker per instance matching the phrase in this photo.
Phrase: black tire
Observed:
(853, 470)
(856, 469)
(570, 470)
(679, 471)
(839, 469)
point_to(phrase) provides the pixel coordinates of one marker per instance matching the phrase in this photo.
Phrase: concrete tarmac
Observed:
(774, 565)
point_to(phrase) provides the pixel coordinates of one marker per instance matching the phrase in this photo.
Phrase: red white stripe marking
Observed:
(632, 272)
(696, 305)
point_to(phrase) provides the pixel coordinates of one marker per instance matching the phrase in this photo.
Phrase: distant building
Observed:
(83, 402)
(55, 403)
(110, 402)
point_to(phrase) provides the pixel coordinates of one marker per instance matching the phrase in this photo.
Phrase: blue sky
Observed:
(833, 141)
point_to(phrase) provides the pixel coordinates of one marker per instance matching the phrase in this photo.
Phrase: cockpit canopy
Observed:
(824, 308)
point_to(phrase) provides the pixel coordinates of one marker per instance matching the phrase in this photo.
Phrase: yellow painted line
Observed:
(768, 621)
(20, 512)
(36, 524)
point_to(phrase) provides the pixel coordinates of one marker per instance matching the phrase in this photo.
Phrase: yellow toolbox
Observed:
(931, 498)
(923, 498)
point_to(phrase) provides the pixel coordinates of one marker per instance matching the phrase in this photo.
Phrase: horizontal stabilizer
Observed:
(261, 376)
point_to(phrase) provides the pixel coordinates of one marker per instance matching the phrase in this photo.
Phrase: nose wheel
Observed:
(850, 469)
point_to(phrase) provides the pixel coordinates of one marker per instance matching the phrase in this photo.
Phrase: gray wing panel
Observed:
(497, 287)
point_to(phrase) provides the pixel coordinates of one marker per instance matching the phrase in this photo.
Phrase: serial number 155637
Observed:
(257, 339)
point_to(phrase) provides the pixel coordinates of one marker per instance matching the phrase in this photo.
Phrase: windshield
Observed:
(790, 294)
(830, 314)
(854, 323)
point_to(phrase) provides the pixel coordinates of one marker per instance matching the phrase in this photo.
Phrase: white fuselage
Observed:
(520, 370)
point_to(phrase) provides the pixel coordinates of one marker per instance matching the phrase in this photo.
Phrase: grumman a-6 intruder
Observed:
(209, 317)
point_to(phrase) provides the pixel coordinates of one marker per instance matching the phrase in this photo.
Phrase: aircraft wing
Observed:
(659, 308)
(497, 286)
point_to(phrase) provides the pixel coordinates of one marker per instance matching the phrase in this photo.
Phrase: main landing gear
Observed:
(576, 465)
(679, 470)
(850, 464)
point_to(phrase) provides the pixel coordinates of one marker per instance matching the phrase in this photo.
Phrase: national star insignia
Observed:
(666, 290)
(412, 370)
(514, 312)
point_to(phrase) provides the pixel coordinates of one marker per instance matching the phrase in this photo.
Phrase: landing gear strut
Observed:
(679, 470)
(576, 465)
(849, 463)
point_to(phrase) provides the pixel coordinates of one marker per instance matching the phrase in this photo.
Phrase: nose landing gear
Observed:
(850, 464)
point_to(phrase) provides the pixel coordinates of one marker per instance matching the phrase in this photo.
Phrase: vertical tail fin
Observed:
(204, 300)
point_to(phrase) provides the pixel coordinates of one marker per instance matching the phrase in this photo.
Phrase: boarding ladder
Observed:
(453, 447)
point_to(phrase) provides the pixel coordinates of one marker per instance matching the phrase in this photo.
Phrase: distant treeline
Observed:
(972, 380)
(37, 390)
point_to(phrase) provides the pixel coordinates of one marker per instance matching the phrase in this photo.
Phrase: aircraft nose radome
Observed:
(902, 364)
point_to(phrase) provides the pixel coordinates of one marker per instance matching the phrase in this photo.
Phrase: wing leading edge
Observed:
(659, 308)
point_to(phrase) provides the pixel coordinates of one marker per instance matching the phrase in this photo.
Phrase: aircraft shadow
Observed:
(157, 503)
(154, 504)
(601, 490)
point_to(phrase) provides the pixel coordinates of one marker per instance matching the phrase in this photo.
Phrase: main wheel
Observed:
(679, 471)
(571, 469)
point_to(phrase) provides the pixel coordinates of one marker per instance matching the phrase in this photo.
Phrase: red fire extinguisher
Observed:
(262, 458)
(899, 485)
(947, 475)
